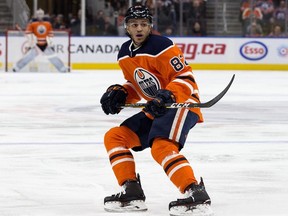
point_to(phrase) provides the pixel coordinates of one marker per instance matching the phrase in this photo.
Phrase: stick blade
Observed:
(218, 97)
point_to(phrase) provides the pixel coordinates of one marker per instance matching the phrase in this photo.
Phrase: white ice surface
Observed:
(53, 163)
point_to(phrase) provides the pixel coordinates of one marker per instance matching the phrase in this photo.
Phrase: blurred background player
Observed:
(41, 31)
(155, 70)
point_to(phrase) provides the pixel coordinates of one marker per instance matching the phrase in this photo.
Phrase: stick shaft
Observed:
(189, 105)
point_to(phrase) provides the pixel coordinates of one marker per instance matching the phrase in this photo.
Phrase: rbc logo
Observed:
(283, 51)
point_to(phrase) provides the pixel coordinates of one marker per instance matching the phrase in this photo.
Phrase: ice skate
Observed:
(197, 202)
(131, 199)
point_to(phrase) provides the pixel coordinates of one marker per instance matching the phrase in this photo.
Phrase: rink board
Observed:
(94, 53)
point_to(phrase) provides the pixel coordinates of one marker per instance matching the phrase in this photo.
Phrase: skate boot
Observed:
(197, 202)
(132, 198)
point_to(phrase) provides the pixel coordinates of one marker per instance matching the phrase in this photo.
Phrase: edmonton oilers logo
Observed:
(41, 29)
(147, 82)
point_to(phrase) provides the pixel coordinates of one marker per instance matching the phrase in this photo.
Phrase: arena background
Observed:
(52, 158)
(222, 43)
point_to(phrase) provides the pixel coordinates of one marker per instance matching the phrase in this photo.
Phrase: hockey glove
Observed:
(31, 40)
(113, 98)
(49, 41)
(156, 107)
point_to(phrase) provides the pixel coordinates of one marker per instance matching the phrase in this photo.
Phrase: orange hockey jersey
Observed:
(41, 29)
(157, 64)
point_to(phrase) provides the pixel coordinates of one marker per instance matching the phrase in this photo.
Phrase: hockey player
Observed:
(155, 70)
(43, 32)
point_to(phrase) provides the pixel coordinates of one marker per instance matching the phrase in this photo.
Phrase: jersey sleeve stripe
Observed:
(187, 77)
(196, 97)
(191, 101)
(185, 83)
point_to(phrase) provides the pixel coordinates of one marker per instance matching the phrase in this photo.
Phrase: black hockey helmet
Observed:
(138, 12)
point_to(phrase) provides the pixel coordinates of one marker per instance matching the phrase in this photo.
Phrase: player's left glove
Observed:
(31, 39)
(111, 100)
(156, 107)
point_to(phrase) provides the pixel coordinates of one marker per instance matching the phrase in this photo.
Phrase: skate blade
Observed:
(199, 210)
(133, 206)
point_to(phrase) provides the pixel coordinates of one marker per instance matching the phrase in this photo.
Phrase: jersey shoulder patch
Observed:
(124, 50)
(156, 44)
(152, 46)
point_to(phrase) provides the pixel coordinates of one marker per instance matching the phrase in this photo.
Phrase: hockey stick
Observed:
(189, 105)
(21, 31)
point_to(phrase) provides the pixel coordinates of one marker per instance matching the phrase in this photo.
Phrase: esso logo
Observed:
(254, 50)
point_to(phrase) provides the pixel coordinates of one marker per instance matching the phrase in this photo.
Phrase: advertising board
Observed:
(202, 53)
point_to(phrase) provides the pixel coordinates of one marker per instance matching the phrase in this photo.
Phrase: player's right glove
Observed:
(113, 98)
(156, 107)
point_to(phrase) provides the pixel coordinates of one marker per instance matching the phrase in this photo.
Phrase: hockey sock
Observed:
(118, 141)
(175, 165)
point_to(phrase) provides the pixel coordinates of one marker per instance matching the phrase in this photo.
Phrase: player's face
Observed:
(139, 30)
